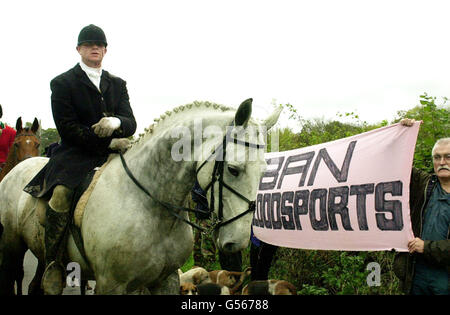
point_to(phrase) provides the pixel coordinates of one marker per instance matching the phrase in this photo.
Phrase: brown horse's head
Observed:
(26, 143)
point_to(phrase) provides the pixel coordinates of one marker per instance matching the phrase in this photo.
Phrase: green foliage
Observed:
(342, 281)
(48, 136)
(316, 131)
(188, 264)
(435, 125)
(312, 290)
(334, 272)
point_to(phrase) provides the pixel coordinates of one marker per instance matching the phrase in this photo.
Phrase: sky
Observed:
(323, 57)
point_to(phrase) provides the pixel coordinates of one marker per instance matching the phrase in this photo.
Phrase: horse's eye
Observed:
(38, 145)
(16, 144)
(233, 171)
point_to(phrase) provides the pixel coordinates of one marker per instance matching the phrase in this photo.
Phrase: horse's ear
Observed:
(35, 126)
(19, 124)
(270, 121)
(243, 113)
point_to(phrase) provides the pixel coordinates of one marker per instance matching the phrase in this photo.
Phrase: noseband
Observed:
(202, 210)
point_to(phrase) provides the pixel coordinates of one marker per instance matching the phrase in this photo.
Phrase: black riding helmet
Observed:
(92, 33)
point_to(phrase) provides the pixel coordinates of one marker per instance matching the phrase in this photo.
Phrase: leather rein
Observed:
(217, 175)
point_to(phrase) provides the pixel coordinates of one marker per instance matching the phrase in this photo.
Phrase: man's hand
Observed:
(106, 126)
(407, 122)
(416, 245)
(120, 144)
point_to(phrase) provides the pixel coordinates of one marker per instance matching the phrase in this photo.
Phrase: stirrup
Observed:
(53, 279)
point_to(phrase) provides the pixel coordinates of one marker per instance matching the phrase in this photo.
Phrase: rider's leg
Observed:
(57, 219)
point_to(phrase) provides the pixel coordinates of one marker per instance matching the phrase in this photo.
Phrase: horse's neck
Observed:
(153, 165)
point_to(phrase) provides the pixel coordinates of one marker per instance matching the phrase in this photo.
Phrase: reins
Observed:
(217, 175)
(169, 206)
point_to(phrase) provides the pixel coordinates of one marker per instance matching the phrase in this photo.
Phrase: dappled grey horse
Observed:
(135, 231)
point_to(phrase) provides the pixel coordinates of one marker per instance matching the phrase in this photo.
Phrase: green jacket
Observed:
(435, 252)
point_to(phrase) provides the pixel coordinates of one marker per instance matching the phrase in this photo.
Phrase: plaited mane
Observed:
(177, 111)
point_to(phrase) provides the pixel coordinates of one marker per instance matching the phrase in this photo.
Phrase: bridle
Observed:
(217, 176)
(203, 210)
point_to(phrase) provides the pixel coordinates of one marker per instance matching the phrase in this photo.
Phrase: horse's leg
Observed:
(83, 284)
(106, 286)
(19, 275)
(35, 286)
(11, 265)
(6, 274)
(170, 286)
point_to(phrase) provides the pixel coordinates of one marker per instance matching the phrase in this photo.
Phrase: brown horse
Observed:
(26, 145)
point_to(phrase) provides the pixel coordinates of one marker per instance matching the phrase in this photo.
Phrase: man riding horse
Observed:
(91, 110)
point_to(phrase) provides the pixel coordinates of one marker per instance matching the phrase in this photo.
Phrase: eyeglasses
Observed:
(92, 44)
(437, 158)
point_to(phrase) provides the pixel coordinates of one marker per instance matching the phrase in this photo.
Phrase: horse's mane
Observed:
(183, 109)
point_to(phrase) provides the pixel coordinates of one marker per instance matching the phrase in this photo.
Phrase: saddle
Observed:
(80, 198)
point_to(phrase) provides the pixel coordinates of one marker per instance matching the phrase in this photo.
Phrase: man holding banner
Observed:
(426, 269)
(351, 194)
(358, 194)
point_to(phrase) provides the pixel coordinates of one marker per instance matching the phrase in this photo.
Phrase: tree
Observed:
(48, 136)
(435, 125)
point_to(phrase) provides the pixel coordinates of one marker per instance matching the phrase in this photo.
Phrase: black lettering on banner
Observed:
(275, 211)
(255, 217)
(271, 174)
(266, 210)
(287, 215)
(300, 209)
(339, 175)
(303, 169)
(322, 223)
(338, 208)
(361, 191)
(258, 220)
(392, 206)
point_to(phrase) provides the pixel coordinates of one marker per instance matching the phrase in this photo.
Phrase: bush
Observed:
(334, 272)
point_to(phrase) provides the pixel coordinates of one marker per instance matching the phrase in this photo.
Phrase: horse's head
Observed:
(26, 143)
(230, 176)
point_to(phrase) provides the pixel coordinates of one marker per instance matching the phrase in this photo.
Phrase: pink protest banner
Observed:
(349, 194)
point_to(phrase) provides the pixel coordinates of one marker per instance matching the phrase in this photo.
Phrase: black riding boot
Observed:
(55, 226)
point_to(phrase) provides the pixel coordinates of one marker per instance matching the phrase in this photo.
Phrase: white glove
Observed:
(407, 122)
(120, 144)
(106, 126)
